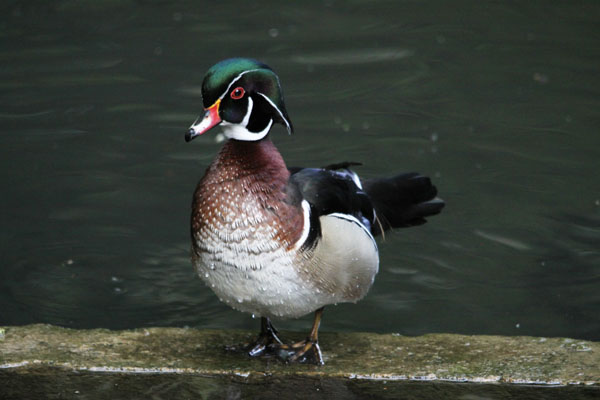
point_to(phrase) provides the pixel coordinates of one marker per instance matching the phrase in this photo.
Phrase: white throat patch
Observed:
(240, 131)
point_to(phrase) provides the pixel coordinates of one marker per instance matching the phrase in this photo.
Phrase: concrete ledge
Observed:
(43, 361)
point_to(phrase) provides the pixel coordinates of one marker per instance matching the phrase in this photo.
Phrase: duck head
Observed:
(244, 97)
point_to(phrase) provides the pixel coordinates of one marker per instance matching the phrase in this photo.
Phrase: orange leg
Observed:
(308, 350)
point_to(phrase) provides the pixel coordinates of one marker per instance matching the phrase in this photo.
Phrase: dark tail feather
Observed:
(403, 200)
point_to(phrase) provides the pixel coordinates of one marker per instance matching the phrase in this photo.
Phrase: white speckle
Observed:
(206, 274)
(517, 325)
(273, 32)
(240, 301)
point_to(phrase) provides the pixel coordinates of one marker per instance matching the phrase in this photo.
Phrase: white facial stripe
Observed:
(264, 132)
(240, 131)
(244, 122)
(237, 78)
(278, 110)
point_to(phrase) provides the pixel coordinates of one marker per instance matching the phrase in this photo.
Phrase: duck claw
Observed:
(305, 352)
(268, 344)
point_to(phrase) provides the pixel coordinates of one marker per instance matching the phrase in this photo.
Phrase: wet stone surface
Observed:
(52, 362)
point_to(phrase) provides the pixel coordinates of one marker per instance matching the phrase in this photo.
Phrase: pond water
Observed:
(498, 103)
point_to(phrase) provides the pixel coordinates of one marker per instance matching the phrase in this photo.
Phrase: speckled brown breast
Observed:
(240, 208)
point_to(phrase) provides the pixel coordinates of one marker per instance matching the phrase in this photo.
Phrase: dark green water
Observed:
(498, 101)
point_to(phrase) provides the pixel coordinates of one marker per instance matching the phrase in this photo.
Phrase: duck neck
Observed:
(259, 160)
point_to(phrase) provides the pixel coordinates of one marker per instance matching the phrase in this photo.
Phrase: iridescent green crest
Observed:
(255, 77)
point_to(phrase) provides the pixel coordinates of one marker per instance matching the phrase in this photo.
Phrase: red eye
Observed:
(237, 93)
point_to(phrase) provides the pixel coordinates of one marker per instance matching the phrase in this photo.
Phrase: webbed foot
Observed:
(264, 345)
(304, 352)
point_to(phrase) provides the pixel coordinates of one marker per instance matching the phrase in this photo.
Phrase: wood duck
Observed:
(281, 242)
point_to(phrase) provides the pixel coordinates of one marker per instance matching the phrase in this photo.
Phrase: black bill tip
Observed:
(189, 135)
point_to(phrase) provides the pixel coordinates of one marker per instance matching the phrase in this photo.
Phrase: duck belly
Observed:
(273, 290)
(281, 283)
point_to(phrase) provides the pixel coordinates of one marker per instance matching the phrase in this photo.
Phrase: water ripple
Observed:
(512, 243)
(362, 56)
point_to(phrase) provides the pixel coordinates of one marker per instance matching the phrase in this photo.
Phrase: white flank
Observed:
(352, 218)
